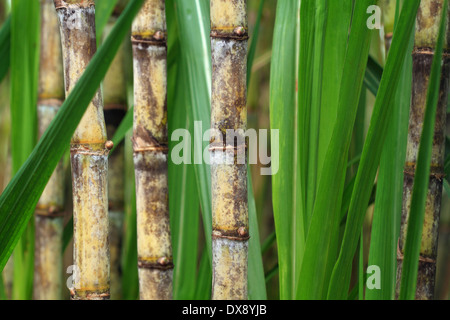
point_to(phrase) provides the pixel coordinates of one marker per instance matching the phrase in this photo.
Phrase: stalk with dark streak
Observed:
(89, 158)
(115, 100)
(49, 211)
(150, 145)
(229, 37)
(427, 27)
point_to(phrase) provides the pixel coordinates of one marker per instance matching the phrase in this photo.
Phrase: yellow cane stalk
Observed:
(150, 145)
(89, 158)
(229, 37)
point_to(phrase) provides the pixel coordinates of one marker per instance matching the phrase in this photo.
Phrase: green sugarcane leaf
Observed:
(271, 273)
(130, 277)
(67, 234)
(103, 10)
(388, 203)
(268, 242)
(24, 79)
(193, 25)
(19, 199)
(204, 276)
(361, 266)
(335, 45)
(256, 283)
(288, 227)
(422, 173)
(124, 127)
(447, 188)
(5, 47)
(24, 86)
(254, 41)
(2, 289)
(322, 238)
(183, 195)
(380, 122)
(314, 109)
(303, 79)
(373, 75)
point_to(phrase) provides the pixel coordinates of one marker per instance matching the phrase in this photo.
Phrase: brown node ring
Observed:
(50, 212)
(151, 148)
(429, 51)
(157, 39)
(162, 263)
(239, 33)
(240, 235)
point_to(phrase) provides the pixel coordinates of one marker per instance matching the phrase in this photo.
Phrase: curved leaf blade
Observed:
(370, 159)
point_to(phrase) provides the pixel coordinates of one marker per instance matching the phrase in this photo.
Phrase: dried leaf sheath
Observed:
(115, 100)
(89, 158)
(229, 37)
(427, 27)
(48, 279)
(150, 143)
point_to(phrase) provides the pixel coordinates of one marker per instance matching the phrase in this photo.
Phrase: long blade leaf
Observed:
(282, 118)
(370, 159)
(322, 237)
(388, 203)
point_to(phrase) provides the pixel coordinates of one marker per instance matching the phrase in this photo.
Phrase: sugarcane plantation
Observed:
(224, 150)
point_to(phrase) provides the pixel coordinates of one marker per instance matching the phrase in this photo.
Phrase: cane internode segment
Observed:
(150, 145)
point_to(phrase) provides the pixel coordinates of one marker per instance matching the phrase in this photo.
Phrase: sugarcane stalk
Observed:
(427, 27)
(229, 38)
(50, 208)
(89, 158)
(150, 145)
(115, 101)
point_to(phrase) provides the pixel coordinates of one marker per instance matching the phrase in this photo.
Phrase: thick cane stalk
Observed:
(229, 37)
(49, 211)
(115, 100)
(89, 158)
(427, 27)
(150, 145)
